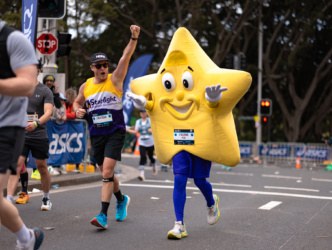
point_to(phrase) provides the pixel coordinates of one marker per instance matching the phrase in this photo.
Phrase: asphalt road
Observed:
(262, 207)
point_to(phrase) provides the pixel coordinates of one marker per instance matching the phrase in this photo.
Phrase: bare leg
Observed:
(108, 172)
(13, 179)
(44, 175)
(9, 215)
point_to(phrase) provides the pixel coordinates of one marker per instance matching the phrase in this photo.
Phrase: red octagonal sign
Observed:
(47, 43)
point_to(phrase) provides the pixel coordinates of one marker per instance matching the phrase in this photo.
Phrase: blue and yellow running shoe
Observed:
(121, 208)
(179, 231)
(100, 221)
(213, 211)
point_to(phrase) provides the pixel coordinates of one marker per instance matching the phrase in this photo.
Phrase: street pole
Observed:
(259, 87)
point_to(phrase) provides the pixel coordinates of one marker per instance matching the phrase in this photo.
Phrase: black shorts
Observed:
(11, 144)
(108, 146)
(38, 148)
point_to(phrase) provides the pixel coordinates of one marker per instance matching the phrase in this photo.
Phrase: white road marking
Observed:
(326, 180)
(289, 188)
(270, 205)
(230, 185)
(282, 176)
(228, 173)
(236, 191)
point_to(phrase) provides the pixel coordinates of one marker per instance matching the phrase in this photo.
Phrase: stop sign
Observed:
(47, 43)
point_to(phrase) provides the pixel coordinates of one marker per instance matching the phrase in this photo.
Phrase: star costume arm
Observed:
(213, 94)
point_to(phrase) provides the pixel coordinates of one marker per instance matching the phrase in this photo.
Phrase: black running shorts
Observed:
(11, 144)
(108, 146)
(38, 148)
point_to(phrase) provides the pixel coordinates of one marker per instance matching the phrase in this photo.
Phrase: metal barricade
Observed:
(86, 127)
(317, 153)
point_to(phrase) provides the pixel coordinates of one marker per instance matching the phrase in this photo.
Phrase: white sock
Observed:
(23, 236)
(10, 198)
(47, 195)
(141, 172)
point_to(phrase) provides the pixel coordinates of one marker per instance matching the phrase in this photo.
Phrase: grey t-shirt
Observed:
(41, 95)
(21, 53)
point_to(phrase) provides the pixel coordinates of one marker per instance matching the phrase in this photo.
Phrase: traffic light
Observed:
(230, 61)
(264, 120)
(55, 9)
(266, 107)
(63, 44)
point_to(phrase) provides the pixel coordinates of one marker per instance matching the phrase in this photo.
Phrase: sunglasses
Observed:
(98, 66)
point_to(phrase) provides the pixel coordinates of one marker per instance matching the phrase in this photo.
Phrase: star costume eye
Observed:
(187, 80)
(168, 81)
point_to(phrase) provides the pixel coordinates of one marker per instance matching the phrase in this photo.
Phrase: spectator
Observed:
(59, 117)
(18, 75)
(71, 95)
(49, 81)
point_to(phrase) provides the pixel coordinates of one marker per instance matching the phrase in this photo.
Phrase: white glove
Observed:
(139, 100)
(214, 93)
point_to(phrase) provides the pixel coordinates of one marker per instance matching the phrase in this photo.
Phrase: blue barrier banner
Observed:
(313, 153)
(29, 19)
(67, 143)
(245, 150)
(275, 150)
(137, 69)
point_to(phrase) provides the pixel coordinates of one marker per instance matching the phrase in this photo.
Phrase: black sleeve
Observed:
(57, 101)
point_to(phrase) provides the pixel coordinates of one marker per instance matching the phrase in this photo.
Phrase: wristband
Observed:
(36, 125)
(133, 38)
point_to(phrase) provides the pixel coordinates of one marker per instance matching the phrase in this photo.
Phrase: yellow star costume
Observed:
(181, 116)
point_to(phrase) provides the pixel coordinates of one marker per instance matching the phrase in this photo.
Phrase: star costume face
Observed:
(181, 116)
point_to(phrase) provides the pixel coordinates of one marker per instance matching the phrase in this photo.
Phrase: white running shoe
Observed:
(179, 231)
(141, 177)
(213, 211)
(37, 237)
(46, 205)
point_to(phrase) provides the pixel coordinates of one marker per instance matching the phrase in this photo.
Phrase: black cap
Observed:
(96, 57)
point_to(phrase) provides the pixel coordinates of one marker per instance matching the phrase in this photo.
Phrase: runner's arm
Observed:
(120, 72)
(79, 103)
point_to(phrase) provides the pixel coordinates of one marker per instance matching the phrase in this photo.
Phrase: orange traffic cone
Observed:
(136, 151)
(298, 162)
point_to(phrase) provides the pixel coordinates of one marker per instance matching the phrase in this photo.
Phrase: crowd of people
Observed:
(22, 95)
(27, 105)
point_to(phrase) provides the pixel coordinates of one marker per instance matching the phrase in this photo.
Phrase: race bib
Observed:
(145, 137)
(184, 137)
(102, 120)
(33, 117)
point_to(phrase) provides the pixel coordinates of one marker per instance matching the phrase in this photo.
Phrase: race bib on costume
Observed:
(184, 137)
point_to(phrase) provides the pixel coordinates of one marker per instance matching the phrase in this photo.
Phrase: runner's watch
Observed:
(38, 123)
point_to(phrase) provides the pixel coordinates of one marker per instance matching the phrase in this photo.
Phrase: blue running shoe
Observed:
(100, 221)
(121, 208)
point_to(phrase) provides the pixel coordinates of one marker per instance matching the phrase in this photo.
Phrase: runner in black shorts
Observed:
(102, 95)
(40, 108)
(18, 74)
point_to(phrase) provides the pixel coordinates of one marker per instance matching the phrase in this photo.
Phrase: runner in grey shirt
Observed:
(13, 108)
(18, 75)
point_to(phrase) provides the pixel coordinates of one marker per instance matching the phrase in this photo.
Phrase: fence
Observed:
(311, 154)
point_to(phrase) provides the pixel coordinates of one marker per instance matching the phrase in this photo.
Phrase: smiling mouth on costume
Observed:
(179, 112)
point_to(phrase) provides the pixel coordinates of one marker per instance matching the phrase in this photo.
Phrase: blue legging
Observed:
(179, 193)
